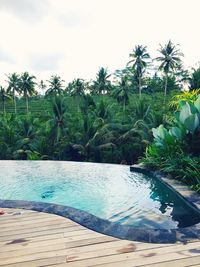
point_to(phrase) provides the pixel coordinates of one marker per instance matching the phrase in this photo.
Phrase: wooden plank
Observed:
(176, 263)
(30, 221)
(24, 214)
(51, 246)
(35, 239)
(10, 210)
(39, 243)
(131, 248)
(89, 241)
(32, 250)
(61, 262)
(24, 246)
(131, 259)
(124, 246)
(180, 260)
(36, 229)
(17, 218)
(108, 255)
(57, 245)
(35, 225)
(39, 263)
(40, 233)
(11, 213)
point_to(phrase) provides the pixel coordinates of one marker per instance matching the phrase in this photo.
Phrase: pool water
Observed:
(108, 191)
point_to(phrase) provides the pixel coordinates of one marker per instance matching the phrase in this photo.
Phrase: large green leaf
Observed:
(197, 103)
(162, 136)
(193, 109)
(176, 132)
(185, 112)
(192, 122)
(159, 132)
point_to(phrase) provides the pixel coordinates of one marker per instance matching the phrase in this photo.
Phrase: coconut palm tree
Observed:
(96, 137)
(170, 60)
(139, 63)
(102, 85)
(55, 86)
(122, 92)
(27, 86)
(9, 136)
(13, 87)
(58, 122)
(42, 86)
(194, 80)
(4, 95)
(77, 89)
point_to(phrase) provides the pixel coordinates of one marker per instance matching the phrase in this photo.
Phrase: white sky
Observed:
(73, 38)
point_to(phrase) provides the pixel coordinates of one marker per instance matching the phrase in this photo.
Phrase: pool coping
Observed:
(106, 227)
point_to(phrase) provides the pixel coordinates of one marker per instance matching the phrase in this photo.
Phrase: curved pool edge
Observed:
(106, 227)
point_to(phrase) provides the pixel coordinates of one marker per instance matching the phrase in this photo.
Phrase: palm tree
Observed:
(55, 86)
(4, 96)
(27, 86)
(170, 60)
(59, 113)
(182, 76)
(122, 92)
(13, 87)
(96, 137)
(139, 61)
(102, 85)
(77, 89)
(194, 80)
(102, 111)
(42, 85)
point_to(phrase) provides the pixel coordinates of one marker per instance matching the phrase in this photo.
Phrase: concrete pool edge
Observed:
(106, 227)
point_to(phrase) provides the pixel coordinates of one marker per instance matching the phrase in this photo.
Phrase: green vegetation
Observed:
(134, 114)
(176, 148)
(101, 130)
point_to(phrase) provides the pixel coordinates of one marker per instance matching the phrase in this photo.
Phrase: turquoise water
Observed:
(108, 191)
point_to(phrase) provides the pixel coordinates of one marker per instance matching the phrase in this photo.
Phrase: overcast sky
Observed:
(73, 38)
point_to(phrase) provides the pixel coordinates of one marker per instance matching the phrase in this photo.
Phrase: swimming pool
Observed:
(110, 192)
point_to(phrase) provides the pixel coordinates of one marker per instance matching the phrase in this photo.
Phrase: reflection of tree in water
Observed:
(180, 212)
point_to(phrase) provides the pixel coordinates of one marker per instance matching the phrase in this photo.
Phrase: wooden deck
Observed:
(29, 239)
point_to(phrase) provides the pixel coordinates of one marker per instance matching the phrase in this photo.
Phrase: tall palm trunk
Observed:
(124, 108)
(139, 86)
(14, 99)
(166, 83)
(27, 109)
(4, 107)
(78, 102)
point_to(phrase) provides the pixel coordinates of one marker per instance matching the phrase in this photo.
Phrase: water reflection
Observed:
(169, 201)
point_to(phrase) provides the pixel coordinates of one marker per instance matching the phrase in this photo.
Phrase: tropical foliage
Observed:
(176, 148)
